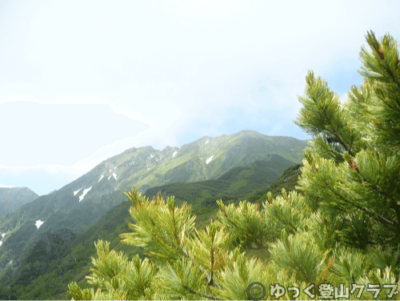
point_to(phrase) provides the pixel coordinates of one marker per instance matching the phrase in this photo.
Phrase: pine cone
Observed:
(381, 54)
(224, 213)
(354, 165)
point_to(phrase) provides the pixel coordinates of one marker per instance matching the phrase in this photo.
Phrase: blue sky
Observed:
(81, 81)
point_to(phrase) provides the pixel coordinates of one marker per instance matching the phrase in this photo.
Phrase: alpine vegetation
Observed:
(338, 238)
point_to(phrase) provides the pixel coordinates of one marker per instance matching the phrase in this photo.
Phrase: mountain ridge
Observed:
(83, 202)
(74, 262)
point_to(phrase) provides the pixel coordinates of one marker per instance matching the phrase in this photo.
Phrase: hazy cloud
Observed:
(60, 134)
(185, 69)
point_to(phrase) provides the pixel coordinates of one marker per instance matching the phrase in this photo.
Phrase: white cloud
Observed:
(59, 134)
(187, 69)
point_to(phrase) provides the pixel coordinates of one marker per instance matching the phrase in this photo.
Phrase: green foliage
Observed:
(208, 263)
(352, 169)
(75, 265)
(300, 255)
(343, 229)
(245, 222)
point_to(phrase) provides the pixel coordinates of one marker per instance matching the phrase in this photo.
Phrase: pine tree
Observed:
(352, 170)
(342, 229)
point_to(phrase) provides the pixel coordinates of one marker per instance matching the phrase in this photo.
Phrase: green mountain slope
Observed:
(232, 186)
(48, 280)
(84, 201)
(287, 180)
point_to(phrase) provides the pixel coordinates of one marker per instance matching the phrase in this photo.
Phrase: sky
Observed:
(82, 81)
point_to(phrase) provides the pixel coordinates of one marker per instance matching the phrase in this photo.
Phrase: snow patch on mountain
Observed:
(1, 242)
(76, 191)
(151, 156)
(102, 176)
(207, 141)
(3, 234)
(114, 175)
(173, 155)
(109, 177)
(39, 223)
(84, 193)
(209, 159)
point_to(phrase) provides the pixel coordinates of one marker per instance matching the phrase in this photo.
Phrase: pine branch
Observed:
(285, 222)
(301, 270)
(352, 141)
(209, 277)
(336, 132)
(211, 264)
(387, 68)
(185, 252)
(384, 193)
(393, 202)
(199, 294)
(231, 221)
(372, 214)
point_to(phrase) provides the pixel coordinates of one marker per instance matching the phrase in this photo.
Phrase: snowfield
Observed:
(39, 223)
(84, 193)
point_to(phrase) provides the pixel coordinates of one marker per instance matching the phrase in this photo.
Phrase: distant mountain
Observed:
(52, 261)
(13, 198)
(84, 201)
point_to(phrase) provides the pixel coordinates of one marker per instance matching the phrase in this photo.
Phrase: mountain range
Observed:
(227, 167)
(13, 198)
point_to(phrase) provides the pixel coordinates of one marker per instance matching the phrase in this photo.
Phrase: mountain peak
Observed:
(13, 198)
(85, 200)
